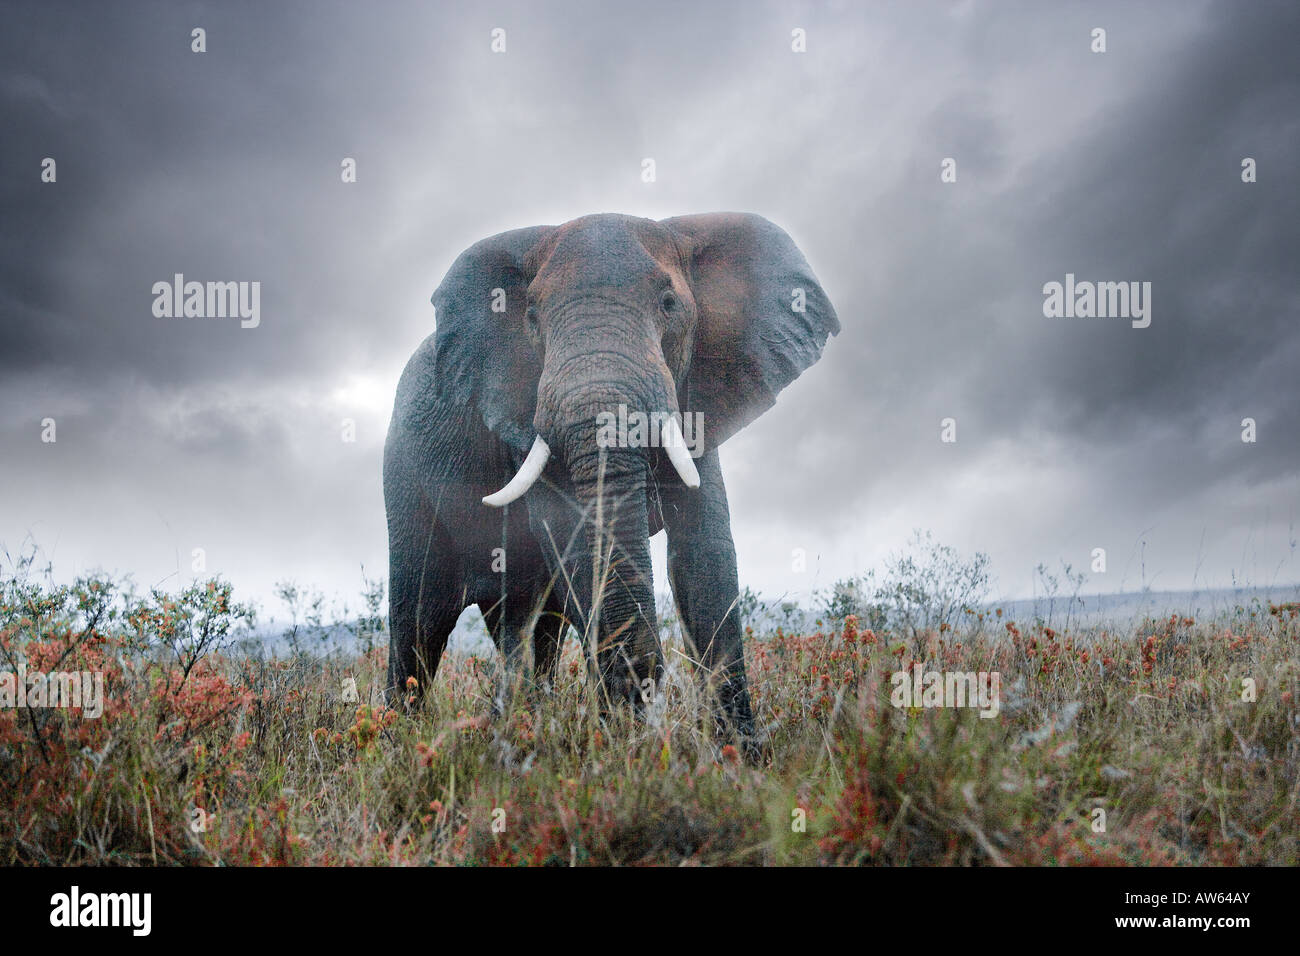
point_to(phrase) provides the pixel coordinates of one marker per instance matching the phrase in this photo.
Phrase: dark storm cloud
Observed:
(176, 433)
(1146, 187)
(217, 166)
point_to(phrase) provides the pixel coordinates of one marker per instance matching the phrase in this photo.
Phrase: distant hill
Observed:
(1095, 609)
(1091, 610)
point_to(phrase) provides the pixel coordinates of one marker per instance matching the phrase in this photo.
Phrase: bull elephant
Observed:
(506, 484)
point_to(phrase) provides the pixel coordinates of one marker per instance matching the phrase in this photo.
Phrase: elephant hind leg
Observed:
(548, 638)
(527, 629)
(505, 621)
(508, 618)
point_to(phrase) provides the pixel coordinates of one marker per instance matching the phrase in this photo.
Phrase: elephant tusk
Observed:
(528, 473)
(675, 445)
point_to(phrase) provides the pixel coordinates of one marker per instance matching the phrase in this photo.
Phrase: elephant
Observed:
(506, 484)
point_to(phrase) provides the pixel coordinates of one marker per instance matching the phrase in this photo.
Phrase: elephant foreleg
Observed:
(702, 570)
(422, 610)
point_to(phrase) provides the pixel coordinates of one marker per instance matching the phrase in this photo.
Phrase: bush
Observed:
(928, 587)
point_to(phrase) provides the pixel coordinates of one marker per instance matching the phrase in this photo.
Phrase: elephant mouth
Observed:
(671, 440)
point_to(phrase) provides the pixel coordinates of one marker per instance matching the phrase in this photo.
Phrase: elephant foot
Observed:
(733, 721)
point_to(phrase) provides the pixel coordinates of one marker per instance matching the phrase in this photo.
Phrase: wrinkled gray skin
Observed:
(691, 314)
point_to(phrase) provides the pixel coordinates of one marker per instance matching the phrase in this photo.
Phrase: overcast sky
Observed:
(1072, 433)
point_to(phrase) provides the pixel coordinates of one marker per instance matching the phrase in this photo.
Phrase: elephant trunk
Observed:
(610, 486)
(581, 392)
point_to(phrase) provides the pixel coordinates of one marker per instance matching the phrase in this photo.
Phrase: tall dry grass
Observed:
(207, 757)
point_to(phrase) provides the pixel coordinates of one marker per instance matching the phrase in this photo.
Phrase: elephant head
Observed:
(549, 331)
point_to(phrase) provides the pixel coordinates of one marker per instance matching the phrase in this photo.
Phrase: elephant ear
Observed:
(483, 358)
(763, 317)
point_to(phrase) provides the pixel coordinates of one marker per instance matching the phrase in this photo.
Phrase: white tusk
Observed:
(528, 473)
(675, 445)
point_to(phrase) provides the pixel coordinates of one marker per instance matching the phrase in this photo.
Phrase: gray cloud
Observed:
(1072, 434)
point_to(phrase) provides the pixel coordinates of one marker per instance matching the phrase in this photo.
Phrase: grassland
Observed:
(1170, 742)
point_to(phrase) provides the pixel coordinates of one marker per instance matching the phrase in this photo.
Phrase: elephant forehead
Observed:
(607, 251)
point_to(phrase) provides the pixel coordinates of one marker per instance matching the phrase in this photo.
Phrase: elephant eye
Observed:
(669, 302)
(530, 315)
